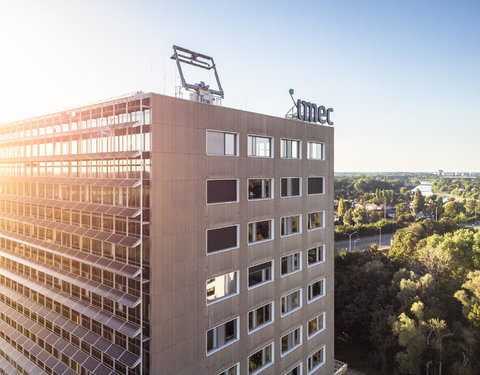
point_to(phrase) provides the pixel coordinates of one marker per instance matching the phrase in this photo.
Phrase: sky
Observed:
(403, 77)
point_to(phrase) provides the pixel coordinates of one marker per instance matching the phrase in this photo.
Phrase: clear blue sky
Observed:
(402, 76)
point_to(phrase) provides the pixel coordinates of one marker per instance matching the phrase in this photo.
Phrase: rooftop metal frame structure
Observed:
(199, 60)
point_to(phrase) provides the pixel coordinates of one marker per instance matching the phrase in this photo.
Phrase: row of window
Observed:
(106, 195)
(106, 168)
(226, 190)
(225, 334)
(226, 143)
(79, 120)
(227, 285)
(264, 358)
(85, 145)
(227, 238)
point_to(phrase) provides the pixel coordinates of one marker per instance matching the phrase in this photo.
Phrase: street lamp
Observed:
(350, 241)
(380, 239)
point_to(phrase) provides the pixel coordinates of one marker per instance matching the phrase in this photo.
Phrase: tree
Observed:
(343, 206)
(469, 296)
(471, 206)
(452, 208)
(402, 209)
(418, 202)
(360, 215)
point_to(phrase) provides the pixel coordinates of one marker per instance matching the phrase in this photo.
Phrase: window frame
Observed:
(263, 325)
(222, 179)
(313, 299)
(237, 286)
(218, 348)
(237, 137)
(313, 369)
(323, 185)
(272, 277)
(272, 236)
(283, 314)
(319, 330)
(299, 148)
(299, 262)
(300, 187)
(308, 221)
(236, 366)
(308, 150)
(288, 351)
(282, 224)
(260, 199)
(265, 365)
(322, 246)
(261, 136)
(299, 365)
(222, 250)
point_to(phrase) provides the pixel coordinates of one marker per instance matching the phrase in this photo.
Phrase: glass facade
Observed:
(74, 240)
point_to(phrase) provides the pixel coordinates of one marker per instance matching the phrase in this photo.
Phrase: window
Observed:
(315, 185)
(316, 290)
(316, 325)
(234, 370)
(221, 191)
(290, 149)
(291, 340)
(260, 231)
(222, 335)
(222, 287)
(290, 264)
(316, 255)
(259, 146)
(291, 302)
(290, 187)
(260, 188)
(315, 151)
(316, 360)
(315, 220)
(260, 274)
(260, 360)
(297, 370)
(290, 225)
(260, 317)
(222, 143)
(220, 239)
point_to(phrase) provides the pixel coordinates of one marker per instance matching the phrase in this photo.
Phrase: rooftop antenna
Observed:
(291, 113)
(200, 92)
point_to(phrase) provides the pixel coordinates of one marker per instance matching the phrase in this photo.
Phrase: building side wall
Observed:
(180, 217)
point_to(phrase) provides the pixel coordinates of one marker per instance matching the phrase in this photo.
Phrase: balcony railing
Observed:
(340, 368)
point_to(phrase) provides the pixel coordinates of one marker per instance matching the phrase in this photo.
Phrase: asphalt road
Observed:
(364, 242)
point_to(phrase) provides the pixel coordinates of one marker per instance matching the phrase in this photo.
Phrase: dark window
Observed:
(290, 187)
(259, 274)
(315, 185)
(221, 239)
(219, 191)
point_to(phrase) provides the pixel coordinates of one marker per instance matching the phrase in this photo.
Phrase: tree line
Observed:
(415, 311)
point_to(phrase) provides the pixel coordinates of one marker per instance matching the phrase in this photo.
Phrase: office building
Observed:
(148, 234)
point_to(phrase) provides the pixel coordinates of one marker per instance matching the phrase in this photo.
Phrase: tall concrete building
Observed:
(153, 235)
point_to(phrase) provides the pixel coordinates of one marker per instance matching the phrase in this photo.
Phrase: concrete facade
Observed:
(180, 317)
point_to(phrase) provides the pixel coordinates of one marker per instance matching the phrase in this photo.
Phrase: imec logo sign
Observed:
(307, 111)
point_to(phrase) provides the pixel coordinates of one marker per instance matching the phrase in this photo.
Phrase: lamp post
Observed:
(380, 239)
(350, 241)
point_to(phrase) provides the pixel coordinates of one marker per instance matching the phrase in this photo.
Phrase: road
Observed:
(364, 242)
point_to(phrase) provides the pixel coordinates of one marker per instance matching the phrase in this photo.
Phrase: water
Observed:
(425, 188)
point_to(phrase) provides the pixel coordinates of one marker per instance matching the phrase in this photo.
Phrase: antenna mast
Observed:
(200, 92)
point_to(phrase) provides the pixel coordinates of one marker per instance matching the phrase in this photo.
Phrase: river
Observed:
(425, 188)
